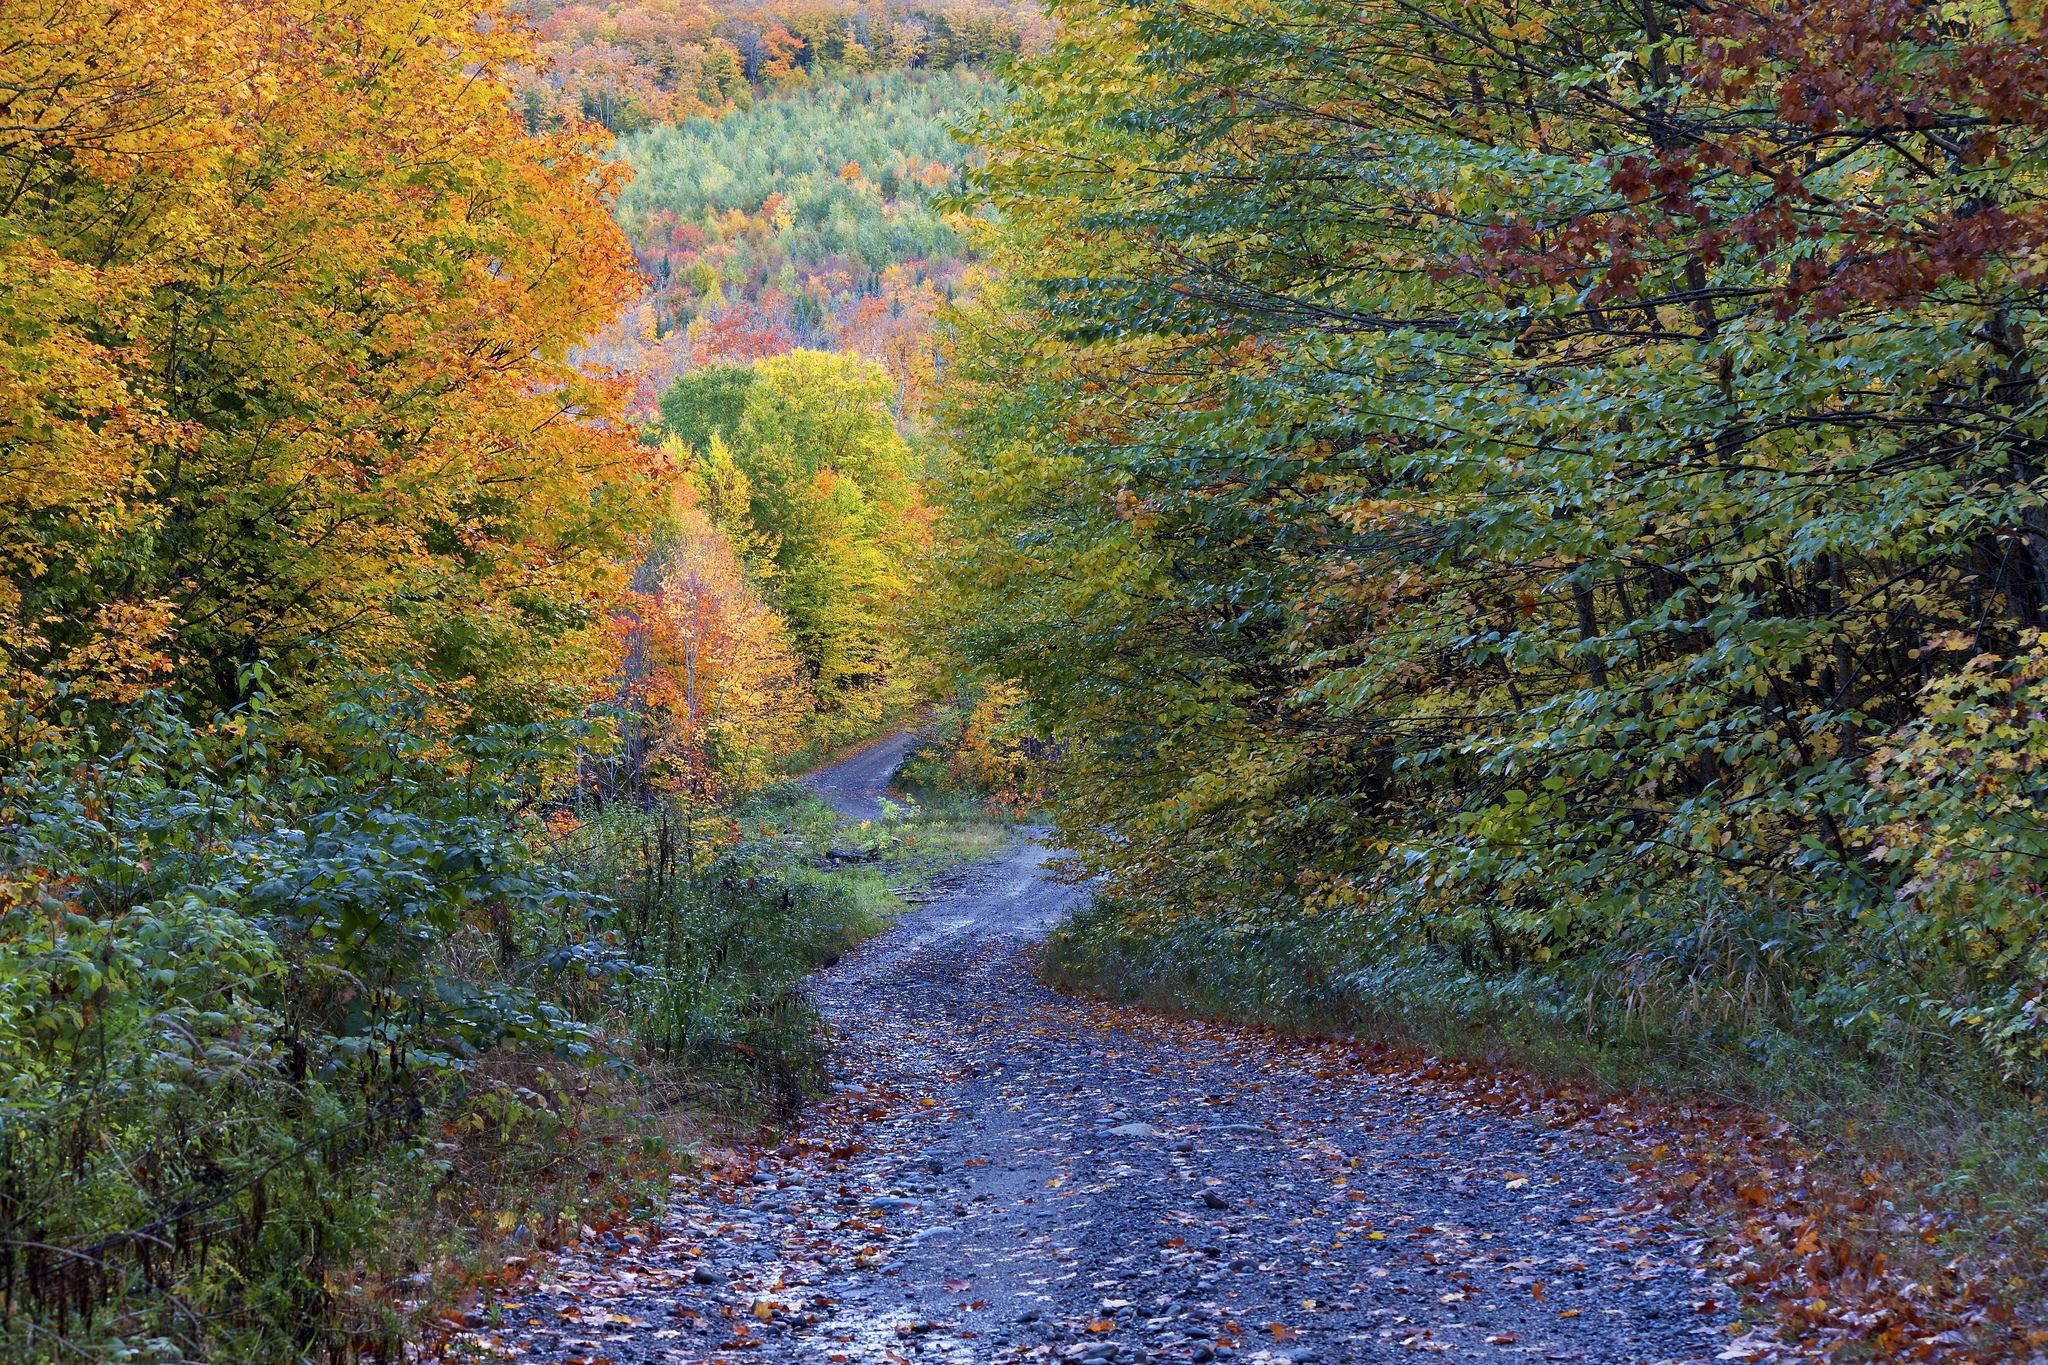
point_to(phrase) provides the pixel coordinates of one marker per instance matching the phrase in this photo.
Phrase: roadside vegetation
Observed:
(1522, 522)
(976, 755)
(301, 1046)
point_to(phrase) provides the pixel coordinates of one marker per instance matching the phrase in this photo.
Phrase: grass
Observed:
(920, 841)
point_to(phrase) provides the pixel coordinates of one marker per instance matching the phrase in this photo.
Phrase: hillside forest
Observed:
(1509, 528)
(815, 220)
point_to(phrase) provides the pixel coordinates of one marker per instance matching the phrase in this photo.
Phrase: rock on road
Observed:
(1002, 1173)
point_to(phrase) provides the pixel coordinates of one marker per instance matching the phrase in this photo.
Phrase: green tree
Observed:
(1536, 508)
(831, 516)
(706, 402)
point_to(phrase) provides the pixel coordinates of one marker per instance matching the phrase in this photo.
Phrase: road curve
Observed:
(1002, 1173)
(855, 785)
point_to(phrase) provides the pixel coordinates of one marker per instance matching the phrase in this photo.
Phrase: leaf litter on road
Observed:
(1111, 1186)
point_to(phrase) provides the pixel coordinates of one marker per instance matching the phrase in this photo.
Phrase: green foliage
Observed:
(1535, 512)
(271, 1023)
(831, 514)
(895, 128)
(726, 916)
(706, 403)
(809, 208)
(231, 979)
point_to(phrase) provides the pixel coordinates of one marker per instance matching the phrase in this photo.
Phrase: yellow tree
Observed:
(284, 358)
(720, 670)
(126, 100)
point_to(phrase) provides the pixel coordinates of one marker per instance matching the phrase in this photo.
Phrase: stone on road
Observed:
(1002, 1173)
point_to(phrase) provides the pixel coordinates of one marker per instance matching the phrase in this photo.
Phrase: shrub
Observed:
(233, 980)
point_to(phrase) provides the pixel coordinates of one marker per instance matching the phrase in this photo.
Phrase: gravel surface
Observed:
(1003, 1173)
(855, 784)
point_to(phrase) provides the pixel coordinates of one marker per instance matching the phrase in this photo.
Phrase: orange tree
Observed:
(720, 669)
(290, 295)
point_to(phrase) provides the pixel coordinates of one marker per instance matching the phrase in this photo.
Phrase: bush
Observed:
(233, 980)
(725, 913)
(294, 1032)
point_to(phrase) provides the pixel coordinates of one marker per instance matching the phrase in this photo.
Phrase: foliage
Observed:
(978, 746)
(721, 672)
(630, 64)
(1537, 485)
(276, 375)
(233, 982)
(704, 407)
(805, 221)
(262, 1014)
(813, 482)
(727, 912)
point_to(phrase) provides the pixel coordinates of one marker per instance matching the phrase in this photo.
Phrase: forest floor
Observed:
(1004, 1173)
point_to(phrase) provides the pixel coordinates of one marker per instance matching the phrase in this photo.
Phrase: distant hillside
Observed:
(635, 64)
(803, 220)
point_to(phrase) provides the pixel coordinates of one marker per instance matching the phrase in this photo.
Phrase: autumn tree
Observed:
(288, 359)
(720, 671)
(309, 537)
(831, 516)
(1538, 482)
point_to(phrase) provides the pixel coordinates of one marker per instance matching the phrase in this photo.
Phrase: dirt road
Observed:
(854, 786)
(1005, 1174)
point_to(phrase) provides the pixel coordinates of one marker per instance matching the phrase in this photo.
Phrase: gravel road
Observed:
(1002, 1173)
(854, 785)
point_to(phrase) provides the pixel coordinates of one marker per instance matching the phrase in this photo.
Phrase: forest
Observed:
(396, 862)
(634, 66)
(1510, 534)
(1588, 528)
(812, 220)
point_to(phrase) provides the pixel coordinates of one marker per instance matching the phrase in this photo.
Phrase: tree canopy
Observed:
(285, 358)
(1550, 484)
(798, 460)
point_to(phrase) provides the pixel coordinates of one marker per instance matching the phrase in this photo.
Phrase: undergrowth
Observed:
(301, 1050)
